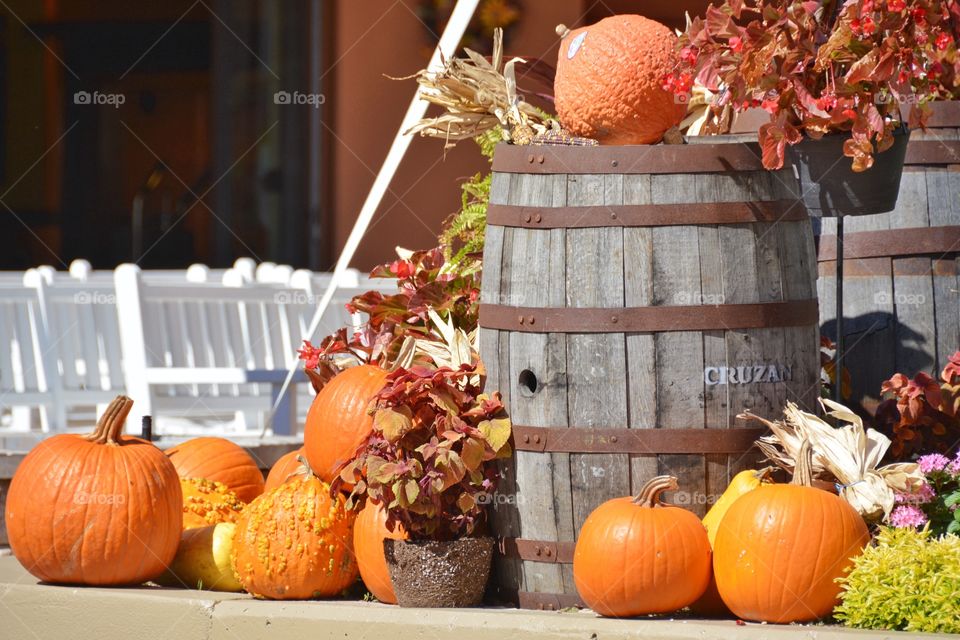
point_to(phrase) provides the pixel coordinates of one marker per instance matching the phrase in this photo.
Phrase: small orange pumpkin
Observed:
(102, 509)
(206, 502)
(219, 460)
(637, 556)
(609, 80)
(285, 468)
(338, 422)
(369, 532)
(779, 551)
(295, 542)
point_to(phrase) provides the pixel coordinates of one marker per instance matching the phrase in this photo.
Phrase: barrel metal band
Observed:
(645, 215)
(649, 441)
(629, 159)
(536, 550)
(650, 319)
(926, 152)
(890, 243)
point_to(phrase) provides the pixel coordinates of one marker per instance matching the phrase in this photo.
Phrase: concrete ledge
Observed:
(30, 610)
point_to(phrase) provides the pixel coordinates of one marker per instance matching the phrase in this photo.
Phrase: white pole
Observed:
(457, 25)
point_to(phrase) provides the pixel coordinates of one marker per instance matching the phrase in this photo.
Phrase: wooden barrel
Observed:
(901, 306)
(634, 301)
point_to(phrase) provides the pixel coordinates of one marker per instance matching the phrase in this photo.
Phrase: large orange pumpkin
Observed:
(219, 460)
(637, 556)
(609, 80)
(779, 551)
(286, 468)
(338, 422)
(295, 542)
(101, 509)
(369, 532)
(206, 502)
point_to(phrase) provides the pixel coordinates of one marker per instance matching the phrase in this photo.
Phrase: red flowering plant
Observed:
(820, 67)
(922, 415)
(430, 458)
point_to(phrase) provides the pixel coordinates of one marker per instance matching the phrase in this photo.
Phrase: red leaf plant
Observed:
(820, 67)
(430, 458)
(922, 415)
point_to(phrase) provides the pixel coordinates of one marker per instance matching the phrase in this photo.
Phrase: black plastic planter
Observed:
(829, 185)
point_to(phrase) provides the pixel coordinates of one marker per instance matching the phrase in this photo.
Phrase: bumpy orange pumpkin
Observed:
(295, 542)
(637, 556)
(286, 468)
(101, 509)
(219, 460)
(609, 81)
(369, 532)
(779, 551)
(338, 422)
(206, 502)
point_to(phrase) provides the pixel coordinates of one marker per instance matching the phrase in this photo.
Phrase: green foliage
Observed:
(463, 234)
(908, 581)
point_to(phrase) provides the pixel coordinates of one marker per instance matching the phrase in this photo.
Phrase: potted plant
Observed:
(430, 464)
(834, 76)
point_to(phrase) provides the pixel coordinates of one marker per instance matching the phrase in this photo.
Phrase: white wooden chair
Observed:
(216, 352)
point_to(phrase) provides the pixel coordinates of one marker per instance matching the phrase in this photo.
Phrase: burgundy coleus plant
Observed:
(423, 282)
(922, 414)
(430, 458)
(820, 67)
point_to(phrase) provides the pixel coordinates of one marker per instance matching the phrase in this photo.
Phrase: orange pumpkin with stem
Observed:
(338, 422)
(779, 551)
(637, 556)
(102, 509)
(219, 460)
(287, 467)
(369, 532)
(609, 80)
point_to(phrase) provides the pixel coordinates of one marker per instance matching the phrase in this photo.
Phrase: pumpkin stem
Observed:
(111, 422)
(649, 495)
(803, 466)
(562, 30)
(303, 469)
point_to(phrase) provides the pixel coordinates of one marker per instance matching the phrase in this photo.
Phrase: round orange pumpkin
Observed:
(219, 460)
(102, 509)
(369, 532)
(285, 468)
(778, 552)
(609, 80)
(206, 502)
(338, 422)
(295, 542)
(637, 556)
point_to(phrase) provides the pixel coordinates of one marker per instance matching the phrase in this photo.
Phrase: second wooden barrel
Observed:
(634, 301)
(901, 303)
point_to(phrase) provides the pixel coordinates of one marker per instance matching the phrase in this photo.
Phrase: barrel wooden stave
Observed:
(634, 380)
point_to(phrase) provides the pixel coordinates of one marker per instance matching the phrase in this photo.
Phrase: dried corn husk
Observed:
(450, 347)
(476, 96)
(846, 455)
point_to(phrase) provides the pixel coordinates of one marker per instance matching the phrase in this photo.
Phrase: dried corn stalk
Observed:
(847, 456)
(476, 96)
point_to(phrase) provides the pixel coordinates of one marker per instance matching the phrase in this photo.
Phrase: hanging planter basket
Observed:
(829, 185)
(439, 573)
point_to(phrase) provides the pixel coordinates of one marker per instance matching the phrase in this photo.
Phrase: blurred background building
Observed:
(167, 133)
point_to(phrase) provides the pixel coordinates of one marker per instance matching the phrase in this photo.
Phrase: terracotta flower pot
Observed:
(829, 185)
(431, 573)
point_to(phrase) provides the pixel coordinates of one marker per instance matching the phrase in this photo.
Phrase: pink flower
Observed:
(736, 44)
(689, 55)
(933, 462)
(309, 354)
(943, 41)
(896, 5)
(923, 495)
(907, 516)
